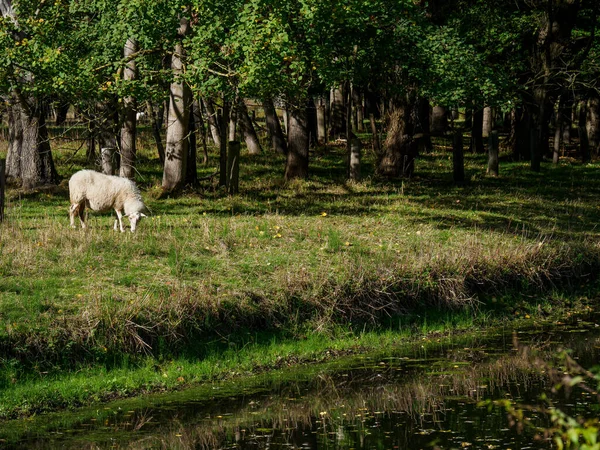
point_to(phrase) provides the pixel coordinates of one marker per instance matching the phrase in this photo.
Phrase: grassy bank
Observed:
(208, 273)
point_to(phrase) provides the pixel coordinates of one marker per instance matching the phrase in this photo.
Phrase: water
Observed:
(427, 398)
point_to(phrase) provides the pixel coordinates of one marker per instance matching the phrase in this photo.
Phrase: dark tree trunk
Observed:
(311, 122)
(593, 123)
(156, 120)
(198, 108)
(584, 144)
(358, 116)
(191, 175)
(338, 116)
(567, 116)
(233, 167)
(558, 124)
(522, 143)
(476, 145)
(298, 144)
(62, 110)
(223, 128)
(423, 126)
(458, 158)
(274, 128)
(439, 120)
(492, 168)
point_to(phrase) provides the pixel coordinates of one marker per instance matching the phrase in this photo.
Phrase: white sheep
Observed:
(103, 192)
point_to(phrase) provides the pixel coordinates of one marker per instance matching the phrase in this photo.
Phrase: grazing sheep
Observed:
(103, 192)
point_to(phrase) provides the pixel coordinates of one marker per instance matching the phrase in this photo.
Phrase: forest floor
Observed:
(214, 286)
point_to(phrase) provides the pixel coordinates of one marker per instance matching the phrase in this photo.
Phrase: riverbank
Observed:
(213, 286)
(412, 374)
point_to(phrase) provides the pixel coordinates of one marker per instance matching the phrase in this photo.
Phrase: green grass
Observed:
(302, 259)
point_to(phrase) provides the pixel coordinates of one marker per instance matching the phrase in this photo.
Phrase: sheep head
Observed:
(134, 218)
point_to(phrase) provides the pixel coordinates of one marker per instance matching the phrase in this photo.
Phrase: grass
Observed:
(301, 260)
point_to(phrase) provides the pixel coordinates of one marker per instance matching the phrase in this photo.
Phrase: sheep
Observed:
(102, 192)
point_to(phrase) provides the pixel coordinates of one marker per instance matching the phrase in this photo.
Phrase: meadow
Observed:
(213, 285)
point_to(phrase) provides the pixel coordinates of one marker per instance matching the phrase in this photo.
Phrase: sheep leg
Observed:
(81, 211)
(120, 220)
(77, 209)
(72, 212)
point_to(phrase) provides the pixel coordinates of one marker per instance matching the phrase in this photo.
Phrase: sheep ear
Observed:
(143, 215)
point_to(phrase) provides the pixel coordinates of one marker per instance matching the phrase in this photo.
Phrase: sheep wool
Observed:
(101, 192)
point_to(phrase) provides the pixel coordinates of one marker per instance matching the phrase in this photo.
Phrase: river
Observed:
(429, 396)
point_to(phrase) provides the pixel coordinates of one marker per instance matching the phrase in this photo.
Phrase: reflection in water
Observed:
(397, 402)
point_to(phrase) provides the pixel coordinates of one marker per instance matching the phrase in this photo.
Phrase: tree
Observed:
(29, 156)
(176, 152)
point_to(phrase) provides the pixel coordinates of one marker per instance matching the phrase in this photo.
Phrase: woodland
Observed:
(394, 73)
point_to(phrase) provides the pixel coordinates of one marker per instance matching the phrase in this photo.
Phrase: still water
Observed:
(425, 397)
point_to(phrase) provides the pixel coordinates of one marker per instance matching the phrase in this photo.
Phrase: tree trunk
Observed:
(476, 145)
(558, 124)
(584, 144)
(400, 148)
(223, 128)
(62, 110)
(213, 122)
(155, 117)
(233, 121)
(247, 129)
(488, 122)
(492, 168)
(338, 119)
(2, 187)
(233, 168)
(374, 134)
(359, 112)
(286, 120)
(298, 144)
(37, 165)
(321, 121)
(274, 128)
(198, 108)
(424, 125)
(311, 122)
(522, 143)
(355, 147)
(128, 130)
(458, 158)
(593, 123)
(178, 122)
(568, 115)
(191, 175)
(15, 140)
(439, 121)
